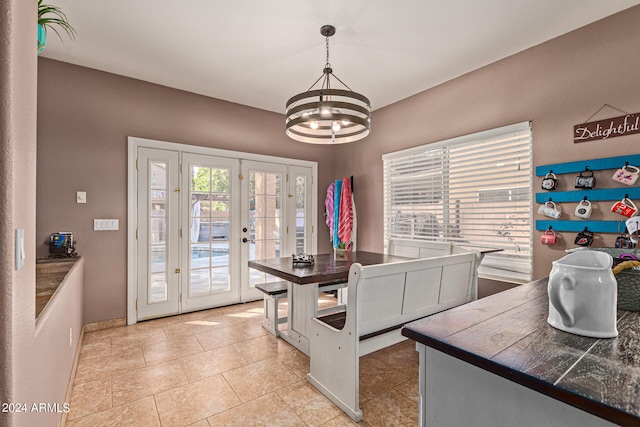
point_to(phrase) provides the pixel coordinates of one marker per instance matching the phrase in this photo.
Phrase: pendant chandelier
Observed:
(324, 115)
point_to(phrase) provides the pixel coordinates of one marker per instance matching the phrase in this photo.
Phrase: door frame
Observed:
(132, 212)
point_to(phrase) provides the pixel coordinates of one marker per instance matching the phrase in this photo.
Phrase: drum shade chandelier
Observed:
(326, 115)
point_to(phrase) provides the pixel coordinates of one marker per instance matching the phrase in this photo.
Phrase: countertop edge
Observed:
(46, 310)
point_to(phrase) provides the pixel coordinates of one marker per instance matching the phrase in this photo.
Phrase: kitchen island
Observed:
(497, 362)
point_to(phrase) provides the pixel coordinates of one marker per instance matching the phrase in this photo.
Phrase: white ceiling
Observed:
(261, 52)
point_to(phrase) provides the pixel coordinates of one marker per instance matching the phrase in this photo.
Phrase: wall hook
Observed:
(586, 168)
(585, 229)
(550, 199)
(626, 164)
(584, 198)
(550, 228)
(626, 196)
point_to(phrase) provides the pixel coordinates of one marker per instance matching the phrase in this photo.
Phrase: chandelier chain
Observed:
(327, 64)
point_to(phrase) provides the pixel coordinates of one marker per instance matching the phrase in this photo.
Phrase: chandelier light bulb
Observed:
(335, 126)
(314, 124)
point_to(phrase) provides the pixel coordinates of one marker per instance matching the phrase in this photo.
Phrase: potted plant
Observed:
(50, 16)
(340, 253)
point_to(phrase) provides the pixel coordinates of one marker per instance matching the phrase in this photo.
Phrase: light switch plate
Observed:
(105, 224)
(20, 255)
(81, 197)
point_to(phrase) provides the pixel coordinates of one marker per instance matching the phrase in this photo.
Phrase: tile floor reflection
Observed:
(219, 367)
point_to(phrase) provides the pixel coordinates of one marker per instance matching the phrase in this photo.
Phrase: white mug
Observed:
(583, 210)
(633, 227)
(549, 209)
(627, 175)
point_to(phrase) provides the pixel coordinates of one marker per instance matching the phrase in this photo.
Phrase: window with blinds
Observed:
(473, 190)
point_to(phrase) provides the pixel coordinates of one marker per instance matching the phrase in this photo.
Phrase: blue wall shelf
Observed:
(593, 164)
(596, 195)
(594, 226)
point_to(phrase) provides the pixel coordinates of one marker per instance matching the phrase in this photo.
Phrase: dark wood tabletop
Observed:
(507, 334)
(324, 269)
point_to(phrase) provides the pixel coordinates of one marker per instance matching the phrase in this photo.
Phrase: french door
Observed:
(158, 233)
(200, 218)
(264, 213)
(209, 209)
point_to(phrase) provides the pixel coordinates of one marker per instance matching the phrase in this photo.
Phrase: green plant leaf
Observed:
(50, 17)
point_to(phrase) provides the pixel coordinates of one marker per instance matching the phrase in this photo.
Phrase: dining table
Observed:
(303, 281)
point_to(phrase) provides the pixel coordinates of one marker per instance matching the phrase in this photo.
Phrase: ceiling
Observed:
(261, 52)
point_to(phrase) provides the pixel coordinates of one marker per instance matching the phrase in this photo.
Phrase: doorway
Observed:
(199, 215)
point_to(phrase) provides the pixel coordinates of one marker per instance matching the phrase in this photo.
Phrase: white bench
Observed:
(422, 249)
(275, 291)
(381, 299)
(428, 249)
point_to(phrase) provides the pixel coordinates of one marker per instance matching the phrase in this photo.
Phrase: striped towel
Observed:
(345, 223)
(328, 208)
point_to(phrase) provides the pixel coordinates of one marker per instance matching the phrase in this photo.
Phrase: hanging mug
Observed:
(549, 238)
(623, 241)
(633, 226)
(625, 207)
(585, 181)
(583, 210)
(550, 182)
(584, 238)
(549, 209)
(627, 175)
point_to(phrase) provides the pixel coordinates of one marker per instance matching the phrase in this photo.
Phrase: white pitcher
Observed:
(583, 295)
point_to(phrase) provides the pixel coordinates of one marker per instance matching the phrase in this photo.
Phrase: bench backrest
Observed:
(388, 295)
(418, 249)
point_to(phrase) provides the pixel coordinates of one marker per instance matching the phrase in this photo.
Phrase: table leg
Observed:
(303, 306)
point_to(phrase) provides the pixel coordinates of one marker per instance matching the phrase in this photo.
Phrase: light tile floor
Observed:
(219, 367)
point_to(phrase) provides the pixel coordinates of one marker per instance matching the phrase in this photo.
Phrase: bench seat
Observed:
(337, 321)
(273, 292)
(273, 288)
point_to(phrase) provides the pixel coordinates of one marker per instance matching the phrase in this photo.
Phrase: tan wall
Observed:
(84, 119)
(18, 378)
(556, 85)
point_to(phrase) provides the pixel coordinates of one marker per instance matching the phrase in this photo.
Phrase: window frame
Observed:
(411, 182)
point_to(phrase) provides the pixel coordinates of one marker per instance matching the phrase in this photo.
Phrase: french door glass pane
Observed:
(300, 209)
(209, 234)
(265, 202)
(157, 246)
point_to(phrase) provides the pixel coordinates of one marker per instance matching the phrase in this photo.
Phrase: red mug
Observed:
(549, 238)
(625, 207)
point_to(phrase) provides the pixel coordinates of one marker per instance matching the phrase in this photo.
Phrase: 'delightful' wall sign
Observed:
(628, 124)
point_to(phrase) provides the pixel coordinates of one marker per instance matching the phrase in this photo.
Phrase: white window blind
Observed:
(472, 190)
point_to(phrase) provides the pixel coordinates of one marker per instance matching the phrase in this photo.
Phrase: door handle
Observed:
(245, 240)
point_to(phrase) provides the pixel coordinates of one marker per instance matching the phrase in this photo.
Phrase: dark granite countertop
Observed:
(508, 334)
